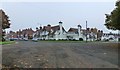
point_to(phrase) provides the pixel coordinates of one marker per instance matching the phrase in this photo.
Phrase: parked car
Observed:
(20, 39)
(105, 40)
(35, 39)
(25, 39)
(12, 39)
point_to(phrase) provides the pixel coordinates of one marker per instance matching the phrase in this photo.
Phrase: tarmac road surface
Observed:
(45, 54)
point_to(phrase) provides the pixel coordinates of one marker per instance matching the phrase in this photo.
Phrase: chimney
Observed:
(40, 28)
(79, 29)
(60, 25)
(49, 25)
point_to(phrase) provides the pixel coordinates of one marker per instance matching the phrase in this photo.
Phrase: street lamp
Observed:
(86, 31)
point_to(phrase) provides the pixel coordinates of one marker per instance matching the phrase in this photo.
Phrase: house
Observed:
(91, 34)
(27, 33)
(21, 34)
(11, 35)
(75, 33)
(51, 32)
(111, 37)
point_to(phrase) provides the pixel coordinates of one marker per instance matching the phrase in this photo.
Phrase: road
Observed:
(29, 54)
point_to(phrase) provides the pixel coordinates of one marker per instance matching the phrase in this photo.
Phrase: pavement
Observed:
(45, 54)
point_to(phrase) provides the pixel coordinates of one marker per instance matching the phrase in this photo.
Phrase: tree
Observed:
(4, 24)
(113, 19)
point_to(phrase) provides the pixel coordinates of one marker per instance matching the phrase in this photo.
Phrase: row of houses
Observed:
(21, 34)
(58, 32)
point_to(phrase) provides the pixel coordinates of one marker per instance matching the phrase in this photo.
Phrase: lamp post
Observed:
(86, 31)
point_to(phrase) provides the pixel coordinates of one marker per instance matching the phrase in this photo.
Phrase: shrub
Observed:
(80, 39)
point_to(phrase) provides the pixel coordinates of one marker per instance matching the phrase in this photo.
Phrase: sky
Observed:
(33, 14)
(57, 0)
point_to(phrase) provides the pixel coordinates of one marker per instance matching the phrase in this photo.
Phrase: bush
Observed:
(119, 39)
(106, 40)
(73, 40)
(70, 39)
(80, 39)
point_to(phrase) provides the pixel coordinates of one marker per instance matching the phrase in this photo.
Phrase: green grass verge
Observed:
(65, 41)
(7, 42)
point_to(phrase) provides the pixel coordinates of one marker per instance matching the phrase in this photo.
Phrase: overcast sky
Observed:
(32, 14)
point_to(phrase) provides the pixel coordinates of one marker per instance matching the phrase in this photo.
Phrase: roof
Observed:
(46, 28)
(75, 30)
(53, 28)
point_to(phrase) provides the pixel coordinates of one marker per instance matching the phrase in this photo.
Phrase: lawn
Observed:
(67, 41)
(6, 42)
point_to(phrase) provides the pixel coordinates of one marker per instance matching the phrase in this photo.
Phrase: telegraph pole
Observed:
(86, 31)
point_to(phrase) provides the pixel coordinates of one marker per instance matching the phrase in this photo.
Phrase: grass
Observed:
(65, 41)
(6, 42)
